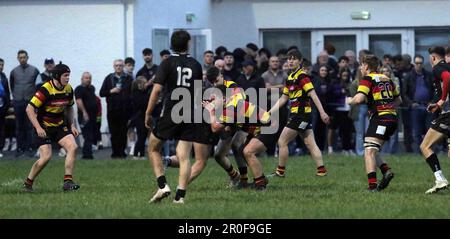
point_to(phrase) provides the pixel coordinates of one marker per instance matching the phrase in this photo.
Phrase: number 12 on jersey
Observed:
(184, 75)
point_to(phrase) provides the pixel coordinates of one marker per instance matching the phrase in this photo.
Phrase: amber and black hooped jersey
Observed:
(297, 86)
(237, 106)
(381, 93)
(51, 103)
(230, 84)
(237, 92)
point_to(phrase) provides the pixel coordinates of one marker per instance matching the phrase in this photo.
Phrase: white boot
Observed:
(6, 146)
(14, 144)
(132, 144)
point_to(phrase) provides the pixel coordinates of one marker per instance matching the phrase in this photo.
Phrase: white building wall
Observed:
(237, 22)
(233, 23)
(336, 14)
(86, 37)
(151, 14)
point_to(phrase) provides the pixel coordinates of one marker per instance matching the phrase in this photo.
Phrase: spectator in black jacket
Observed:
(117, 89)
(149, 72)
(249, 79)
(401, 69)
(4, 104)
(139, 98)
(149, 69)
(87, 113)
(321, 83)
(417, 94)
(230, 72)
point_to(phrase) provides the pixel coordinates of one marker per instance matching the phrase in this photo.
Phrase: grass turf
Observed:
(122, 188)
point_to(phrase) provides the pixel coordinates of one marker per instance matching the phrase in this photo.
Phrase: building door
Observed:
(200, 42)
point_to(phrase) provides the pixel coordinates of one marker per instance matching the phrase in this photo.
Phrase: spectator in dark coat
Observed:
(4, 104)
(139, 98)
(117, 89)
(87, 113)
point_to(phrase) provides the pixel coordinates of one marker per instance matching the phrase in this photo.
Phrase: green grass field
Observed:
(121, 189)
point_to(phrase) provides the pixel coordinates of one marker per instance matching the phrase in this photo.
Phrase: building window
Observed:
(425, 39)
(275, 40)
(197, 47)
(342, 43)
(160, 41)
(382, 44)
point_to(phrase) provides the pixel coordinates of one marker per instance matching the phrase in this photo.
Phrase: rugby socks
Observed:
(260, 181)
(433, 161)
(384, 168)
(180, 194)
(68, 177)
(372, 179)
(29, 182)
(232, 172)
(243, 172)
(161, 181)
(280, 170)
(321, 169)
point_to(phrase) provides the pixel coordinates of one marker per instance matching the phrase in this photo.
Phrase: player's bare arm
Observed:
(280, 102)
(215, 125)
(359, 98)
(32, 115)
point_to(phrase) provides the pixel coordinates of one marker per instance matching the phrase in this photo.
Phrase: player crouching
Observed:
(256, 142)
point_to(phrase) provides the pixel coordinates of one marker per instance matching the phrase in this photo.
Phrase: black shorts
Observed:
(167, 129)
(266, 139)
(442, 124)
(382, 127)
(204, 135)
(269, 140)
(301, 123)
(54, 135)
(226, 135)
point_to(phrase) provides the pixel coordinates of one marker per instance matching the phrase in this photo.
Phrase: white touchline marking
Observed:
(12, 182)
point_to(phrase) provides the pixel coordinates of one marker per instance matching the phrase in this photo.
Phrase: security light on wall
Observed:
(190, 17)
(361, 15)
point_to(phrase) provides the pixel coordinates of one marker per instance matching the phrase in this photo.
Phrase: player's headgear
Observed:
(59, 70)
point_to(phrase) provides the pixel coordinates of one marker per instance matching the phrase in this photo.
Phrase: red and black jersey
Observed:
(441, 73)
